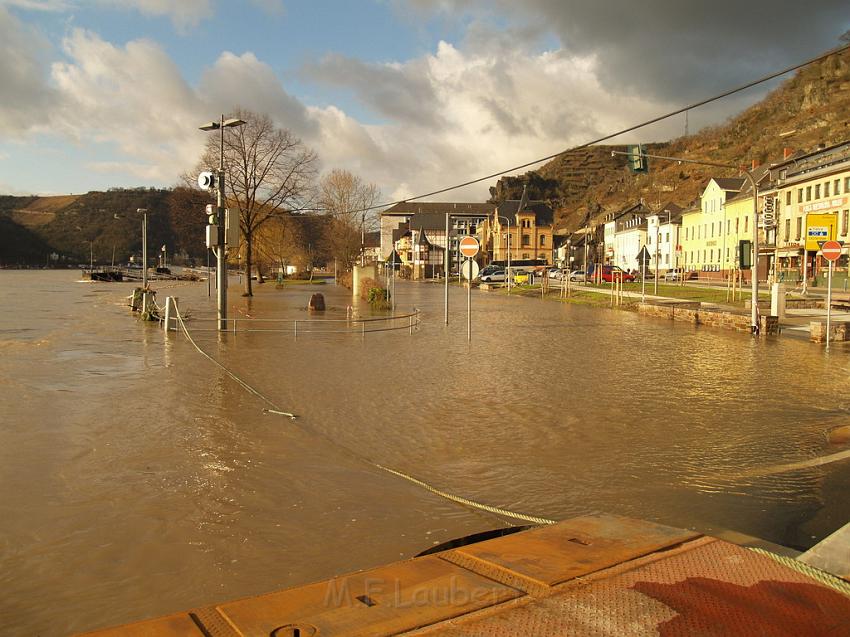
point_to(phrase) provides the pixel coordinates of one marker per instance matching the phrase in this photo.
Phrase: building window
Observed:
(837, 189)
(826, 189)
(817, 191)
(667, 238)
(787, 229)
(746, 224)
(737, 221)
(846, 185)
(526, 240)
(844, 220)
(728, 226)
(666, 259)
(799, 228)
(542, 240)
(525, 255)
(808, 193)
(788, 198)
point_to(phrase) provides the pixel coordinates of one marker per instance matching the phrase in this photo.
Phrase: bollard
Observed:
(170, 312)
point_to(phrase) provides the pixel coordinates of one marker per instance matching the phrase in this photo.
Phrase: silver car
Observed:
(493, 277)
(578, 275)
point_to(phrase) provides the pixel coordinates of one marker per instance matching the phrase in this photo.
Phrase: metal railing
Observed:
(350, 325)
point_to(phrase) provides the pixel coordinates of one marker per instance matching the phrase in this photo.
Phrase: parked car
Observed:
(556, 273)
(679, 274)
(578, 275)
(493, 277)
(612, 272)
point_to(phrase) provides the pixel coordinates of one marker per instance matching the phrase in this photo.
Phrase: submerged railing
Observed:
(297, 327)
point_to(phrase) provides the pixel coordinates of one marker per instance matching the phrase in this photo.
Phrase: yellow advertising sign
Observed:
(820, 227)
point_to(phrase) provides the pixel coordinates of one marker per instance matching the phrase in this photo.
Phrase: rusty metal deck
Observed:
(592, 575)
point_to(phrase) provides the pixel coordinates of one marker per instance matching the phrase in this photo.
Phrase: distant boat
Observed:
(105, 274)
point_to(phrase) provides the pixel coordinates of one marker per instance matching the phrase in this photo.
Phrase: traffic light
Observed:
(637, 159)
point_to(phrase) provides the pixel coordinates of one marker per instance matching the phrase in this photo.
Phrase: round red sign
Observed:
(469, 247)
(831, 250)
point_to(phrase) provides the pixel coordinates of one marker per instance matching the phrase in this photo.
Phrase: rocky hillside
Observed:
(810, 108)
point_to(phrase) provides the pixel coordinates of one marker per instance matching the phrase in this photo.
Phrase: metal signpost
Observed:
(831, 250)
(469, 248)
(643, 257)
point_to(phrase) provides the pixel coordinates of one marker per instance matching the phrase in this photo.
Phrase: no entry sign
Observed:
(831, 250)
(469, 247)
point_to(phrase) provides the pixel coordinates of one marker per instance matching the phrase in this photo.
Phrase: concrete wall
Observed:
(839, 331)
(697, 316)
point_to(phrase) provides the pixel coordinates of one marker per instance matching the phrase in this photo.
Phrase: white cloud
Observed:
(23, 76)
(245, 81)
(132, 97)
(37, 5)
(492, 110)
(456, 113)
(182, 13)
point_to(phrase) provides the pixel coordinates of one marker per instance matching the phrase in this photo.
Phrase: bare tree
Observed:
(269, 173)
(345, 198)
(281, 241)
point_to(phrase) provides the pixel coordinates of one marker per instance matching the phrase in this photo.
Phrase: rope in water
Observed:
(431, 489)
(233, 376)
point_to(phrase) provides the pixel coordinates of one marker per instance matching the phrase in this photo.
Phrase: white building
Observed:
(662, 238)
(628, 241)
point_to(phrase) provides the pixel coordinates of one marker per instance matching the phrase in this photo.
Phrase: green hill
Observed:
(810, 108)
(59, 230)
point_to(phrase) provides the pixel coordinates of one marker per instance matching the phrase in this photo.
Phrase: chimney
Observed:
(787, 152)
(754, 164)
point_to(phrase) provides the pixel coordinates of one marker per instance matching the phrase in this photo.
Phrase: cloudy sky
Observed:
(412, 95)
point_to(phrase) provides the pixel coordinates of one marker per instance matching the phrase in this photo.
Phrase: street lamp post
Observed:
(221, 254)
(144, 213)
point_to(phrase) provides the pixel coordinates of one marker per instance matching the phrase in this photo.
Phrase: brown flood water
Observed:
(137, 479)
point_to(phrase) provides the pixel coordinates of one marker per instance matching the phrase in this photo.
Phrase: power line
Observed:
(623, 131)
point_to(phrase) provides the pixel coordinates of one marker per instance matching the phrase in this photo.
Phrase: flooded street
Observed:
(138, 479)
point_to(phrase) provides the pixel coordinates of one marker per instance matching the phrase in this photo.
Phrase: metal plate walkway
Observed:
(592, 575)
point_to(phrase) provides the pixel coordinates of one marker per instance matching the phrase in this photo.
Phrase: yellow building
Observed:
(709, 233)
(813, 200)
(526, 233)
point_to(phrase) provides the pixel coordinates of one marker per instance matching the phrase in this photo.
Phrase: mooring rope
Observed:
(431, 489)
(238, 380)
(818, 461)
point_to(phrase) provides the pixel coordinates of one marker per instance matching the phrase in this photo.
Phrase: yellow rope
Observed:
(833, 582)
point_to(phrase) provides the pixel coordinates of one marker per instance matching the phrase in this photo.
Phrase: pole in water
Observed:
(469, 301)
(828, 303)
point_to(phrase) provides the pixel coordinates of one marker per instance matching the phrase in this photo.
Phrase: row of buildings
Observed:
(801, 198)
(414, 234)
